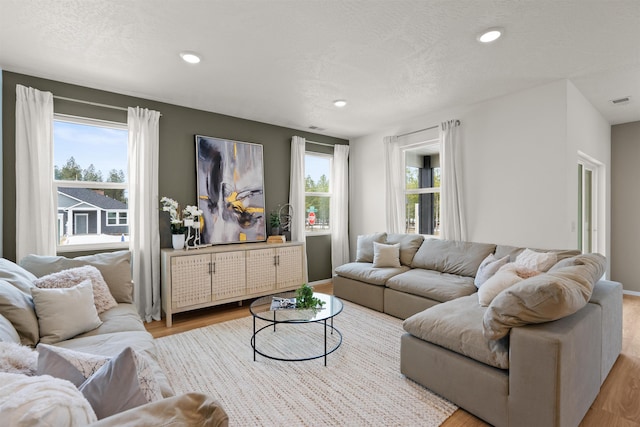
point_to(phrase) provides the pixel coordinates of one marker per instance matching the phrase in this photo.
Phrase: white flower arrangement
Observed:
(171, 206)
(192, 212)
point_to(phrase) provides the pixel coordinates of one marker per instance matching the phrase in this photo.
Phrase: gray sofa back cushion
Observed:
(409, 245)
(7, 332)
(513, 252)
(448, 256)
(365, 246)
(16, 275)
(544, 298)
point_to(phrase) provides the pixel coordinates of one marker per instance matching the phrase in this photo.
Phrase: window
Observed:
(90, 179)
(422, 189)
(317, 192)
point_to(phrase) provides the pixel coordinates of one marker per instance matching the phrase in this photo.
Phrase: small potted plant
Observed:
(305, 298)
(274, 223)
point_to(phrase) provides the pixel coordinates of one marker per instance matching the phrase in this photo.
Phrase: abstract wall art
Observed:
(230, 190)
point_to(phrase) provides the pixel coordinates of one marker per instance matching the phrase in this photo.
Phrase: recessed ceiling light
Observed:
(339, 103)
(190, 57)
(490, 35)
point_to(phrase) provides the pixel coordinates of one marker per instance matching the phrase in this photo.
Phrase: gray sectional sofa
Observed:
(536, 355)
(120, 327)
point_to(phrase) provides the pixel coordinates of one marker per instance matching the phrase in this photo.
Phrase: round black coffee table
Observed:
(261, 309)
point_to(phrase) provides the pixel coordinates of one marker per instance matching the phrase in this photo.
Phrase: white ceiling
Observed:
(285, 61)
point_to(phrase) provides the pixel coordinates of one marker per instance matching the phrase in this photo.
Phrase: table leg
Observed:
(254, 338)
(325, 341)
(274, 321)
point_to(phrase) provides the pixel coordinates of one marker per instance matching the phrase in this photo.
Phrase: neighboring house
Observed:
(83, 211)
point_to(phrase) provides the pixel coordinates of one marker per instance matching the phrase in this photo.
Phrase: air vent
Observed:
(316, 128)
(621, 101)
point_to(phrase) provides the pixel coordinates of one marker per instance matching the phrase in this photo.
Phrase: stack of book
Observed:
(276, 239)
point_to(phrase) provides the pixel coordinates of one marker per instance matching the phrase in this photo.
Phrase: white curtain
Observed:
(339, 209)
(296, 194)
(35, 203)
(394, 177)
(451, 197)
(143, 210)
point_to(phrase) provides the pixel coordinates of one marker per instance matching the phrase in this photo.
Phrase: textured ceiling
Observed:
(285, 61)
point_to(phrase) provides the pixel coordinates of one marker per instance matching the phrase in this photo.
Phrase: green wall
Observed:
(177, 176)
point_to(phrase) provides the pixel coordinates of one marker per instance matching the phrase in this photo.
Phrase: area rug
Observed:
(361, 384)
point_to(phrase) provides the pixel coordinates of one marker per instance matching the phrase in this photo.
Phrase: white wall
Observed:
(520, 170)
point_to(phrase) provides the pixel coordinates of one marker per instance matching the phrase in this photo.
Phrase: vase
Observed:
(178, 241)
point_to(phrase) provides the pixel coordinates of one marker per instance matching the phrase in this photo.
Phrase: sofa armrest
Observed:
(554, 369)
(608, 295)
(188, 409)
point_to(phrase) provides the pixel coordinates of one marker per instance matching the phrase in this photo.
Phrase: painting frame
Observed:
(230, 190)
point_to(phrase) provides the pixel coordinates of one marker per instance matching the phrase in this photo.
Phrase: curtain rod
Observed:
(96, 104)
(320, 143)
(417, 131)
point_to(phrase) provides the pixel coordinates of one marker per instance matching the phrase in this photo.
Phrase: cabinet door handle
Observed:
(214, 268)
(275, 260)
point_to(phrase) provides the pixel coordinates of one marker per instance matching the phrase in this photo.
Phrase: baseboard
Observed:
(634, 293)
(323, 282)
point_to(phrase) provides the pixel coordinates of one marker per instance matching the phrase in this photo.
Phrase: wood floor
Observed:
(617, 405)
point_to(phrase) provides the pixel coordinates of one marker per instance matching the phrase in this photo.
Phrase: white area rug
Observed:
(360, 386)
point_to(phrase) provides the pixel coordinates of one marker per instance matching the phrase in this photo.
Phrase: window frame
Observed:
(328, 194)
(57, 184)
(118, 217)
(428, 144)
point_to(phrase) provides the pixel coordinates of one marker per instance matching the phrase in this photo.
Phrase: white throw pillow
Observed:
(386, 256)
(65, 313)
(504, 278)
(488, 267)
(539, 261)
(102, 297)
(42, 401)
(18, 359)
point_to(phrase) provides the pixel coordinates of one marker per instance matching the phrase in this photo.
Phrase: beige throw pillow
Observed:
(506, 277)
(102, 297)
(386, 256)
(65, 313)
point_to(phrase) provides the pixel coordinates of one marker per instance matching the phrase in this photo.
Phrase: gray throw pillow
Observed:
(365, 246)
(17, 307)
(543, 298)
(7, 332)
(70, 365)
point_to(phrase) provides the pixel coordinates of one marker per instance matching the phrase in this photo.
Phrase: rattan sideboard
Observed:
(214, 275)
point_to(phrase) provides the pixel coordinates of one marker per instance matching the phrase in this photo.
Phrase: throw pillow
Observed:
(7, 332)
(488, 267)
(125, 382)
(70, 365)
(16, 275)
(539, 261)
(18, 308)
(102, 297)
(386, 256)
(365, 246)
(65, 313)
(18, 359)
(505, 277)
(42, 401)
(114, 266)
(545, 297)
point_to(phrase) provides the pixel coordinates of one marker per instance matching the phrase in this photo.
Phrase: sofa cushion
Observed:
(409, 245)
(364, 252)
(114, 266)
(65, 313)
(432, 284)
(488, 267)
(386, 256)
(17, 307)
(16, 275)
(122, 318)
(102, 298)
(514, 251)
(42, 401)
(546, 297)
(457, 326)
(7, 332)
(448, 256)
(366, 272)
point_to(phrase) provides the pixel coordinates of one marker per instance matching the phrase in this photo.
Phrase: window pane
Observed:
(422, 170)
(317, 213)
(318, 172)
(83, 152)
(423, 214)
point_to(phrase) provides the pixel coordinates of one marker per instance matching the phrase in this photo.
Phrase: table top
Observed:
(261, 308)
